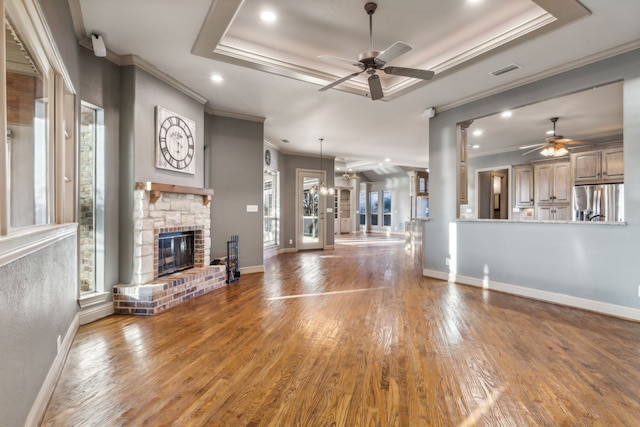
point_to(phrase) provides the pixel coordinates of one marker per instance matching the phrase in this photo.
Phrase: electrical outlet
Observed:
(291, 241)
(447, 261)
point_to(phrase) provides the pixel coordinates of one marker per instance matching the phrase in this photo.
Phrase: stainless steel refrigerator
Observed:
(603, 202)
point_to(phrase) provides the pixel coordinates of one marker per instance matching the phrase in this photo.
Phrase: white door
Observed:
(310, 210)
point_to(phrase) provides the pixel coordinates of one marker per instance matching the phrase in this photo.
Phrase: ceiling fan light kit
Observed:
(372, 60)
(555, 145)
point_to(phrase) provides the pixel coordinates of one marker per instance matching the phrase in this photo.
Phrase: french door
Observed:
(310, 217)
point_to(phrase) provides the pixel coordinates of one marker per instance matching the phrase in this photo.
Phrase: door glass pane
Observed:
(310, 210)
(271, 207)
(28, 136)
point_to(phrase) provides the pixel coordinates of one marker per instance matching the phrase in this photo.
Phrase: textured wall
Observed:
(37, 304)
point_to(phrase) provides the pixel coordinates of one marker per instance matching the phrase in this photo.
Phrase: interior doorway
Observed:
(493, 194)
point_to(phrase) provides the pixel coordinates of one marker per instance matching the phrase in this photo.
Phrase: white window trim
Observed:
(27, 16)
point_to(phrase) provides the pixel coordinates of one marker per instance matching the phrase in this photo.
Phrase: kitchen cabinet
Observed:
(613, 165)
(552, 183)
(598, 166)
(553, 213)
(523, 186)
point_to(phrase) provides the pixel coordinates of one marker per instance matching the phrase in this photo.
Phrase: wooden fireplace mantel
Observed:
(155, 189)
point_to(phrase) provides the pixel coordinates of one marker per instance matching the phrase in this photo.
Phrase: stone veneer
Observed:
(148, 294)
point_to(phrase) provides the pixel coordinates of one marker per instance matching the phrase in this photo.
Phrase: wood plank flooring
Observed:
(352, 337)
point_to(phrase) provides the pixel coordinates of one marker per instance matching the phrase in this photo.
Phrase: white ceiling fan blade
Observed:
(391, 53)
(337, 82)
(375, 88)
(410, 72)
(531, 151)
(330, 58)
(524, 147)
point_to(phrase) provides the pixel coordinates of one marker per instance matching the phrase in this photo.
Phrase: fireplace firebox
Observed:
(175, 252)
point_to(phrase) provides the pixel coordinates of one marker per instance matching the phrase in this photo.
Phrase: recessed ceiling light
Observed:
(475, 146)
(387, 159)
(268, 16)
(477, 132)
(217, 78)
(506, 114)
(350, 169)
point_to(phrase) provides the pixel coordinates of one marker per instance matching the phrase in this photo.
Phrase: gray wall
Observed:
(140, 93)
(288, 195)
(236, 159)
(595, 262)
(37, 304)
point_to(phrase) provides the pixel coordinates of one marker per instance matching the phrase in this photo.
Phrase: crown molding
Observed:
(151, 69)
(238, 116)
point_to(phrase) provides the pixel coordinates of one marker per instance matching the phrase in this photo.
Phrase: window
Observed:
(90, 198)
(373, 207)
(37, 153)
(271, 207)
(28, 143)
(386, 208)
(362, 208)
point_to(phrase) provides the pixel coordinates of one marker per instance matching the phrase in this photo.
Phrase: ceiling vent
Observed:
(504, 70)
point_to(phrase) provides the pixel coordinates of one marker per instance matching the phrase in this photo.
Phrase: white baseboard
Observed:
(95, 312)
(252, 269)
(615, 310)
(287, 251)
(40, 405)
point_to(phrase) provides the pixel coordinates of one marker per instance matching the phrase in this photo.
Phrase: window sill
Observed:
(23, 242)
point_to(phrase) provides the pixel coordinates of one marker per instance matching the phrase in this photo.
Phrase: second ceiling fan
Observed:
(554, 146)
(371, 61)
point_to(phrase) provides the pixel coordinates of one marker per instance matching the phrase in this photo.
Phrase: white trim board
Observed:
(615, 310)
(44, 395)
(96, 312)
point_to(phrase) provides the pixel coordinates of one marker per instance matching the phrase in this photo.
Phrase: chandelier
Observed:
(322, 189)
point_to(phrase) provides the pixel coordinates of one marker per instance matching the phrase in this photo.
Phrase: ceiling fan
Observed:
(554, 145)
(371, 61)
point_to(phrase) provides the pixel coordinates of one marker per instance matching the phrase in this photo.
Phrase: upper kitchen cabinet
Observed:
(552, 183)
(598, 166)
(523, 186)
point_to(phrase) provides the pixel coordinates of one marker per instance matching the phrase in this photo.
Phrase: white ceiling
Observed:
(271, 70)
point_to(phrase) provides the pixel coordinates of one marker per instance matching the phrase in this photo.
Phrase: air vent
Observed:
(504, 70)
(286, 141)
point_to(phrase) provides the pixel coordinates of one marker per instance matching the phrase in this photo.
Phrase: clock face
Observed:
(175, 142)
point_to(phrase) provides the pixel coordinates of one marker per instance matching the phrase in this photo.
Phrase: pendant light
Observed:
(323, 189)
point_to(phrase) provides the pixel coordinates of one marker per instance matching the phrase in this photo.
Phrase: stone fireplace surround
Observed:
(162, 208)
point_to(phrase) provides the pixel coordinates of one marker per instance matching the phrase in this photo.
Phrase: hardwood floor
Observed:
(352, 337)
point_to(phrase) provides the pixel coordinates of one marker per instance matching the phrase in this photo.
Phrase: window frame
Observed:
(26, 17)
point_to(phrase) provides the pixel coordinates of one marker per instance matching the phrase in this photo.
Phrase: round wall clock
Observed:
(267, 157)
(175, 142)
